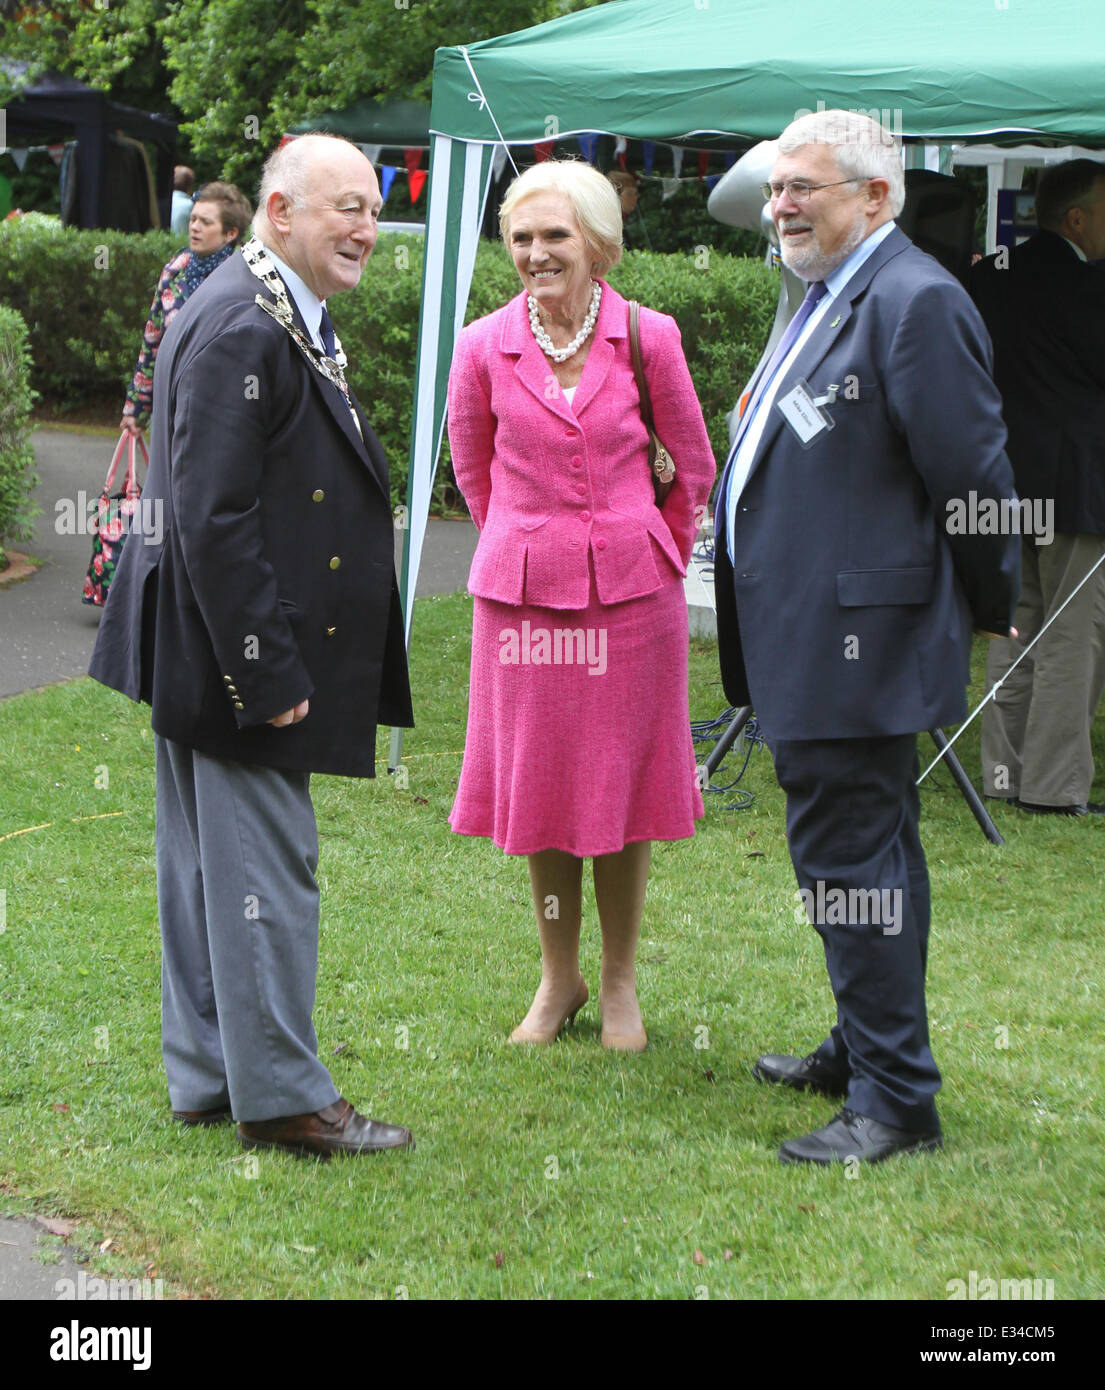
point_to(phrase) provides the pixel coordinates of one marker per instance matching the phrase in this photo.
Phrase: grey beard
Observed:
(813, 264)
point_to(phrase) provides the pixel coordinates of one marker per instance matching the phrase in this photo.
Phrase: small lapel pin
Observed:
(835, 321)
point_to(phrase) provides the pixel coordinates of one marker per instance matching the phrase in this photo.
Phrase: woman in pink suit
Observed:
(578, 726)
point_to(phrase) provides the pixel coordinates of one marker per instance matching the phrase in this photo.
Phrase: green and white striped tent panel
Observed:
(460, 176)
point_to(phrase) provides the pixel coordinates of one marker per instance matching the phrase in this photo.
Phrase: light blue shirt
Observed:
(740, 462)
(181, 212)
(306, 301)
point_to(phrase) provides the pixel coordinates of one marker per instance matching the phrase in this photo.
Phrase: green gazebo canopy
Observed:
(969, 70)
(712, 72)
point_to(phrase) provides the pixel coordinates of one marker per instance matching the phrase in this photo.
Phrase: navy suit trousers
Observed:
(852, 827)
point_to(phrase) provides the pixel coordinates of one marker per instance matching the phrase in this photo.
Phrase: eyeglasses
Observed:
(798, 191)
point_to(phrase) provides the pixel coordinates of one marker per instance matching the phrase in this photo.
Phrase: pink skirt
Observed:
(578, 726)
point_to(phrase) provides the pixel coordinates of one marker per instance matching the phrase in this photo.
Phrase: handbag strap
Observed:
(130, 482)
(116, 456)
(131, 443)
(638, 366)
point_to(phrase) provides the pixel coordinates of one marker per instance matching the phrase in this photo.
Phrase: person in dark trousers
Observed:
(1044, 304)
(845, 607)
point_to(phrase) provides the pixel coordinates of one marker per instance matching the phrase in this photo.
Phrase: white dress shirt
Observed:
(306, 301)
(745, 449)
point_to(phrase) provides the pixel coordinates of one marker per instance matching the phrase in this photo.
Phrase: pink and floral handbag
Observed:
(114, 513)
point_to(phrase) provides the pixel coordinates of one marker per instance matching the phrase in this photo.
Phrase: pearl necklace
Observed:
(545, 343)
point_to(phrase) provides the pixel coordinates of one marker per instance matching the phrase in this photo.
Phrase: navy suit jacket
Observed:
(851, 609)
(264, 573)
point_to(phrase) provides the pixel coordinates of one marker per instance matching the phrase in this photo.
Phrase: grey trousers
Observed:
(237, 849)
(1036, 730)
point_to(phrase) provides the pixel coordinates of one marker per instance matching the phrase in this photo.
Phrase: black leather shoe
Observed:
(800, 1074)
(1089, 808)
(215, 1116)
(849, 1136)
(337, 1129)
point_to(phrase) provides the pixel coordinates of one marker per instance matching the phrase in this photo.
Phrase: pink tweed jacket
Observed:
(548, 482)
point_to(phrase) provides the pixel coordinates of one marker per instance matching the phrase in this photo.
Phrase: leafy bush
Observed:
(85, 296)
(17, 476)
(681, 222)
(724, 306)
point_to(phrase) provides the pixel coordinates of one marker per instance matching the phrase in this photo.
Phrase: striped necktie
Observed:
(814, 294)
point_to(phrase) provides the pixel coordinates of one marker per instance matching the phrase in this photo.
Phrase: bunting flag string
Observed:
(710, 179)
(588, 145)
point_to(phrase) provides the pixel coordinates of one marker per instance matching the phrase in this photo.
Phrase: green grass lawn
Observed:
(564, 1172)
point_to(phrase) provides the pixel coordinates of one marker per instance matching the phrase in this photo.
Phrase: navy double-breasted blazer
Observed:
(263, 573)
(852, 604)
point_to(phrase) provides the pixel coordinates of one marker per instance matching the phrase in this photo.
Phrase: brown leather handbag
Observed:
(660, 462)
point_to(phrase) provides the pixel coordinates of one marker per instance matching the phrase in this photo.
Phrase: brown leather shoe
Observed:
(337, 1129)
(214, 1116)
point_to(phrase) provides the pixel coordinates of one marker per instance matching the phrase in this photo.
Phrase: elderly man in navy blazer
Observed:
(846, 608)
(258, 614)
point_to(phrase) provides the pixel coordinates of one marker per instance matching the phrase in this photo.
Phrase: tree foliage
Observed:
(246, 70)
(239, 73)
(96, 41)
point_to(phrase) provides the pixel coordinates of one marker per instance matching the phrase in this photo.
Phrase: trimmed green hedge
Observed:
(85, 296)
(17, 475)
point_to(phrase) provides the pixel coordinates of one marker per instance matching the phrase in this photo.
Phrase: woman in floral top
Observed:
(220, 217)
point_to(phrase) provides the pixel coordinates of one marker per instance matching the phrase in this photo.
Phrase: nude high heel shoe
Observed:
(527, 1035)
(623, 1042)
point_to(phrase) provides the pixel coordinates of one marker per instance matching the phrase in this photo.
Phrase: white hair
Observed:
(863, 148)
(594, 203)
(286, 170)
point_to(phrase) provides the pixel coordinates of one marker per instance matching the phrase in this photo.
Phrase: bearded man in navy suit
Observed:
(262, 623)
(846, 604)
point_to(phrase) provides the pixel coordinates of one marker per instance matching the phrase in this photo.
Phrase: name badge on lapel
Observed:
(805, 415)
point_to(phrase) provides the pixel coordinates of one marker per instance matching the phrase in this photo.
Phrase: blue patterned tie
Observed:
(326, 333)
(813, 296)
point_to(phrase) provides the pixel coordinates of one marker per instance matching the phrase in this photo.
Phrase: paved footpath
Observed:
(46, 632)
(46, 635)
